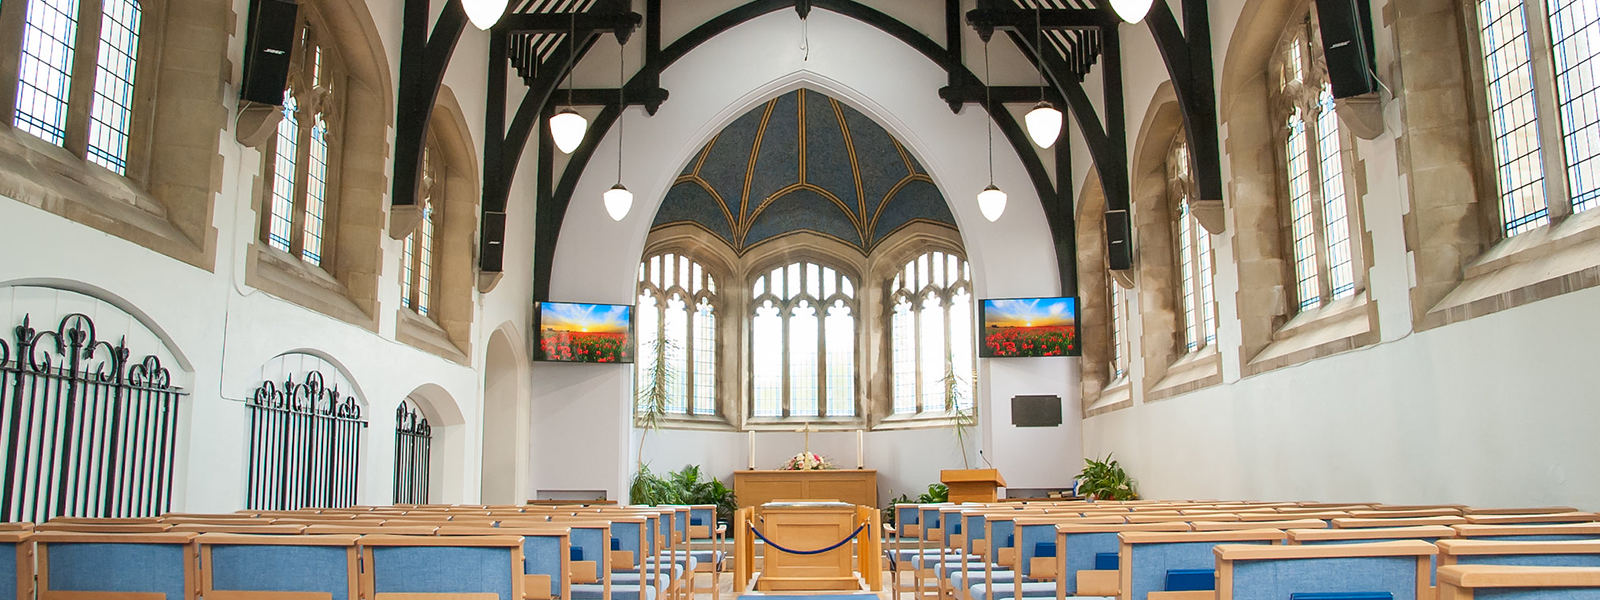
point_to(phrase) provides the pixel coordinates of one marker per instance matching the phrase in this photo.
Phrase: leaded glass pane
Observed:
(1513, 114)
(904, 359)
(1575, 33)
(112, 111)
(840, 328)
(803, 348)
(1335, 211)
(44, 75)
(1302, 222)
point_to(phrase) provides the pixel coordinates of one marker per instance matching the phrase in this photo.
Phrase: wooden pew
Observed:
(1398, 568)
(546, 552)
(1528, 519)
(289, 567)
(1239, 525)
(1083, 552)
(128, 563)
(396, 566)
(1363, 522)
(1465, 582)
(17, 567)
(1157, 561)
(1580, 553)
(1530, 533)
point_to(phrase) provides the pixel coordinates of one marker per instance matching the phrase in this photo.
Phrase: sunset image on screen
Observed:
(585, 332)
(1030, 327)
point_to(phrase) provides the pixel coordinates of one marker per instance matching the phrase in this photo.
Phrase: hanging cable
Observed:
(988, 107)
(1038, 42)
(622, 107)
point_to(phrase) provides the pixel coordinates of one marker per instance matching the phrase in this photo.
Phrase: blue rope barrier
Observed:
(842, 542)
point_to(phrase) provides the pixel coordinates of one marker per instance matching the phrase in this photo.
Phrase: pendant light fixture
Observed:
(991, 201)
(567, 126)
(484, 13)
(1044, 121)
(618, 199)
(1131, 11)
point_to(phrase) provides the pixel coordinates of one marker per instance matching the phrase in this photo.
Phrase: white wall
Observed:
(582, 433)
(1495, 410)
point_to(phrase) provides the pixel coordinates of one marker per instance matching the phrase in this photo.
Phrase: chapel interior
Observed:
(991, 298)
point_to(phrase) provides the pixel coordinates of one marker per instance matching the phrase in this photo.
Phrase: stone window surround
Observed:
(872, 351)
(165, 202)
(358, 190)
(1338, 325)
(1480, 272)
(1273, 335)
(447, 330)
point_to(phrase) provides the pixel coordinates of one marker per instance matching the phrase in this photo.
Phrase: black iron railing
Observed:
(86, 433)
(413, 441)
(305, 446)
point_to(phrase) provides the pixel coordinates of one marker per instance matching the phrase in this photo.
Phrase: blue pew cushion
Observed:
(973, 578)
(1191, 580)
(709, 557)
(1343, 596)
(1043, 589)
(575, 554)
(1044, 550)
(596, 591)
(1107, 561)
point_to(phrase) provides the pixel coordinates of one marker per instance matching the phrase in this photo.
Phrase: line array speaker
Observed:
(1346, 27)
(269, 46)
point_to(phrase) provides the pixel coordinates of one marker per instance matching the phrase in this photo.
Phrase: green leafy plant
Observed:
(937, 493)
(962, 421)
(650, 402)
(1106, 480)
(682, 487)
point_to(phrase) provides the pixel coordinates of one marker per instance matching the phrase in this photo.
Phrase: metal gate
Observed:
(305, 446)
(413, 441)
(86, 433)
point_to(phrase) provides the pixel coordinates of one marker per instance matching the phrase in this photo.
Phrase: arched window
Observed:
(803, 338)
(80, 97)
(417, 259)
(678, 317)
(298, 158)
(1313, 162)
(931, 335)
(1119, 331)
(1196, 268)
(1539, 60)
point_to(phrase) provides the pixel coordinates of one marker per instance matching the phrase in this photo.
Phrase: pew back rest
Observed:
(157, 563)
(1145, 557)
(1236, 525)
(442, 565)
(1530, 532)
(1256, 572)
(16, 563)
(1562, 517)
(702, 521)
(1579, 553)
(279, 563)
(1427, 533)
(1494, 582)
(1363, 522)
(1080, 544)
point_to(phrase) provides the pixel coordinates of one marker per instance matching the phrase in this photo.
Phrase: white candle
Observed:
(861, 448)
(752, 450)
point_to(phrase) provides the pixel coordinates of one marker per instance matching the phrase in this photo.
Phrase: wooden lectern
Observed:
(973, 485)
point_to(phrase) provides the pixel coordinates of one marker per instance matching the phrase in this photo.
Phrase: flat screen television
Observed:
(593, 333)
(1024, 327)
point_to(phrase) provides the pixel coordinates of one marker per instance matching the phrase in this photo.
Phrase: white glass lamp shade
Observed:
(1131, 11)
(484, 13)
(1044, 124)
(992, 202)
(567, 128)
(618, 201)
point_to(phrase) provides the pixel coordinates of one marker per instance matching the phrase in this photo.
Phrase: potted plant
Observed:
(1106, 480)
(961, 421)
(650, 402)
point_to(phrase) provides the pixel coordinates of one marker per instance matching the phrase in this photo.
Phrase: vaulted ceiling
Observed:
(803, 162)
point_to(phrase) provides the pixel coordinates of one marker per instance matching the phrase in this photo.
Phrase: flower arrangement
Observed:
(806, 461)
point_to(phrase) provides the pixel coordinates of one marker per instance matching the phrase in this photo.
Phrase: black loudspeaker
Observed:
(1119, 249)
(267, 49)
(1347, 45)
(1036, 411)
